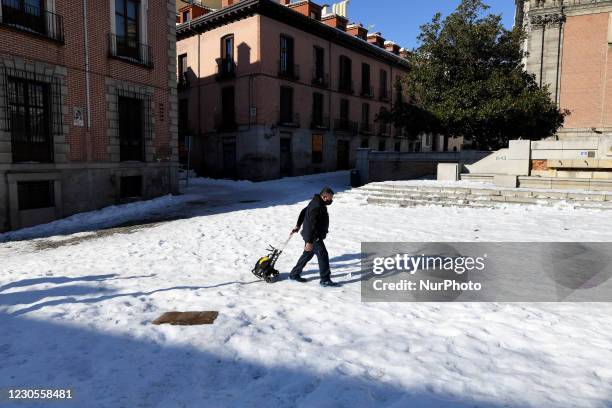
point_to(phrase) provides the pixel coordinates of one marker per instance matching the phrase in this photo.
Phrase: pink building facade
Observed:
(271, 90)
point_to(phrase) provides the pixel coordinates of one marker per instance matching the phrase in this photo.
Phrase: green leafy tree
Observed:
(467, 79)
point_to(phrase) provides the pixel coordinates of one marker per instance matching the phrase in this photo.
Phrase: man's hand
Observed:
(308, 247)
(295, 229)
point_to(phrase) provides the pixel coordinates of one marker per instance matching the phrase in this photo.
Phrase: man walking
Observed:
(314, 221)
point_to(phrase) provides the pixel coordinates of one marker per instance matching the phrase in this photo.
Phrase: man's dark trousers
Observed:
(318, 249)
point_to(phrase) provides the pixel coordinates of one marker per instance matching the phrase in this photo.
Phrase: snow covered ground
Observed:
(77, 298)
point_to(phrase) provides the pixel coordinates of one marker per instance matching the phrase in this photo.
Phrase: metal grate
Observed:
(10, 75)
(32, 113)
(147, 112)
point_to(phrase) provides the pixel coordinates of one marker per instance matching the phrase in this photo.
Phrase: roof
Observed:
(287, 15)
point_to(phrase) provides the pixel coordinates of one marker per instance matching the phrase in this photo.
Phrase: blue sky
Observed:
(399, 20)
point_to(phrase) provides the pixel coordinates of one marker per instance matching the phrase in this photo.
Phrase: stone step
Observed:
(472, 193)
(488, 203)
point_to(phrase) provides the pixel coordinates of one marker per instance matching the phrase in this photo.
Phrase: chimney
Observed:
(336, 21)
(357, 30)
(376, 39)
(285, 2)
(392, 47)
(404, 53)
(307, 8)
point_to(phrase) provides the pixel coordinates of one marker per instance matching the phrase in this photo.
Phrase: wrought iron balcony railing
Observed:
(365, 128)
(346, 86)
(367, 91)
(182, 82)
(319, 122)
(226, 69)
(319, 79)
(385, 94)
(345, 125)
(22, 16)
(287, 70)
(127, 49)
(288, 119)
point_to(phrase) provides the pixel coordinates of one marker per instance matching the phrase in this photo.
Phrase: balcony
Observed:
(346, 86)
(367, 91)
(182, 83)
(384, 129)
(289, 119)
(319, 122)
(225, 122)
(365, 128)
(125, 49)
(24, 17)
(385, 95)
(345, 125)
(226, 69)
(289, 71)
(319, 79)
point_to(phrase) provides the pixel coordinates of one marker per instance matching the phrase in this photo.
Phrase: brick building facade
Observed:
(568, 45)
(273, 89)
(88, 108)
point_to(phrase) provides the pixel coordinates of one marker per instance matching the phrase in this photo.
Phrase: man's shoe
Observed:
(329, 284)
(298, 279)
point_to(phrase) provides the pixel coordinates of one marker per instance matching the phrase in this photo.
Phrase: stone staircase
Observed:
(411, 195)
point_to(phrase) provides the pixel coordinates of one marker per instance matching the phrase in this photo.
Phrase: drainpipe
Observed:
(87, 73)
(88, 151)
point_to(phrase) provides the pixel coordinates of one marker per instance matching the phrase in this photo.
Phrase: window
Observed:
(365, 143)
(346, 81)
(185, 16)
(131, 187)
(397, 146)
(382, 146)
(226, 67)
(286, 105)
(317, 110)
(344, 109)
(127, 15)
(366, 89)
(319, 65)
(384, 92)
(182, 64)
(29, 116)
(317, 148)
(228, 107)
(227, 47)
(286, 66)
(182, 72)
(131, 129)
(32, 195)
(365, 113)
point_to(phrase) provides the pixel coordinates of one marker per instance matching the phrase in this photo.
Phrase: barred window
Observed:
(135, 124)
(33, 114)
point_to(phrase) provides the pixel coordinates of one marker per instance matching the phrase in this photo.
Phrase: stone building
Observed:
(568, 47)
(88, 112)
(273, 89)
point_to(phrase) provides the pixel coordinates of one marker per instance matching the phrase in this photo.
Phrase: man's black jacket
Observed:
(314, 220)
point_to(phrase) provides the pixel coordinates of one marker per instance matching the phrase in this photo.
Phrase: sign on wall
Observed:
(78, 119)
